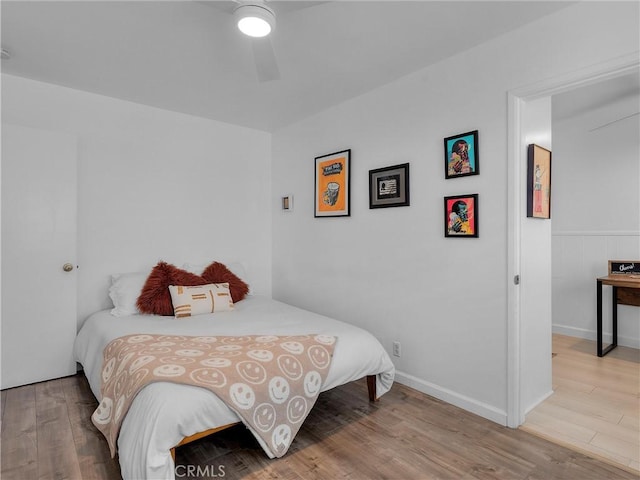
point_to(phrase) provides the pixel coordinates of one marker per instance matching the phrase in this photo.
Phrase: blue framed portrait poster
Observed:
(461, 155)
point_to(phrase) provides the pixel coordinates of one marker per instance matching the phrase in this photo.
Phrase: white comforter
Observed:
(164, 413)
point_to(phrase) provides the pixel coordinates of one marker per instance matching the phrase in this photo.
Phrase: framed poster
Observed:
(461, 216)
(461, 155)
(538, 182)
(333, 184)
(389, 186)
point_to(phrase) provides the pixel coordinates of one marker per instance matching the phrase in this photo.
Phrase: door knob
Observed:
(67, 267)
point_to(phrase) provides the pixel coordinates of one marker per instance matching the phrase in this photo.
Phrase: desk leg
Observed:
(614, 321)
(599, 316)
(614, 317)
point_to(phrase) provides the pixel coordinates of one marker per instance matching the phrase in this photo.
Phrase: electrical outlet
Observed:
(396, 349)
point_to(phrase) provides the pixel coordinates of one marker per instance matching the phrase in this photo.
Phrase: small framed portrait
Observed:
(538, 182)
(461, 155)
(461, 216)
(389, 186)
(333, 184)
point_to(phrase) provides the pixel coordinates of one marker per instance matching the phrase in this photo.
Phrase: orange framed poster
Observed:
(333, 188)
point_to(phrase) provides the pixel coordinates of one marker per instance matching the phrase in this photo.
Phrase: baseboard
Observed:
(538, 402)
(591, 335)
(474, 406)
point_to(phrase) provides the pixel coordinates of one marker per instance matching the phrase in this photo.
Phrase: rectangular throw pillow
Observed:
(197, 300)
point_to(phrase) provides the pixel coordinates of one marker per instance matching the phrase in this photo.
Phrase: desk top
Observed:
(621, 281)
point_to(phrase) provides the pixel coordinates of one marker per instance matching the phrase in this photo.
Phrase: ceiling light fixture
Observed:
(255, 19)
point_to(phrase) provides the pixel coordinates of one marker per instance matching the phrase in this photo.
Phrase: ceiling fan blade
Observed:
(265, 59)
(614, 121)
(223, 6)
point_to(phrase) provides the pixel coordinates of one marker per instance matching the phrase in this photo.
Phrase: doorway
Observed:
(597, 429)
(526, 365)
(594, 406)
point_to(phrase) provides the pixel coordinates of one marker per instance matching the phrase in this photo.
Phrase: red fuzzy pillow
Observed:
(155, 297)
(219, 273)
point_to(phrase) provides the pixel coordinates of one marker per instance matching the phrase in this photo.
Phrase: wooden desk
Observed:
(626, 291)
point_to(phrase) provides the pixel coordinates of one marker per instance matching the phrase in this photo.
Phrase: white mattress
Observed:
(164, 413)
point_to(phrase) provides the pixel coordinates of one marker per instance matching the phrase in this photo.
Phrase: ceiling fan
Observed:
(254, 11)
(261, 17)
(263, 52)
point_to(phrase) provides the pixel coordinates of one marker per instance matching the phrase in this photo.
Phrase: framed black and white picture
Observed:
(389, 186)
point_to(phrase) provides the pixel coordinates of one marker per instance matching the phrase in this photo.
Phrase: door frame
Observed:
(516, 151)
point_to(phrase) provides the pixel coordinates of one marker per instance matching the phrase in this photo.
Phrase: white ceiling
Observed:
(187, 56)
(625, 88)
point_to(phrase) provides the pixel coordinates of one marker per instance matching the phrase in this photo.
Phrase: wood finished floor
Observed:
(47, 434)
(595, 407)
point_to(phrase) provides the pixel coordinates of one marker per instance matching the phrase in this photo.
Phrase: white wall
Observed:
(535, 272)
(448, 297)
(154, 185)
(596, 216)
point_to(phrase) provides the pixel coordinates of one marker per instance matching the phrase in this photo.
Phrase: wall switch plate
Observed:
(396, 349)
(287, 203)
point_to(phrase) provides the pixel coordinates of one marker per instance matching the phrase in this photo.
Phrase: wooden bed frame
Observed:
(371, 387)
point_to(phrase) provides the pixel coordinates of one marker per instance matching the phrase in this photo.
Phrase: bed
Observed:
(164, 414)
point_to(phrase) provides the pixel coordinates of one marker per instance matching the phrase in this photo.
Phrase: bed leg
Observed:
(371, 385)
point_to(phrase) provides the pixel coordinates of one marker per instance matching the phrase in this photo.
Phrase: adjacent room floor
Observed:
(595, 407)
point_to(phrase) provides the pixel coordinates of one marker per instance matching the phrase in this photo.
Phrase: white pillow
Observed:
(194, 268)
(124, 292)
(236, 268)
(191, 301)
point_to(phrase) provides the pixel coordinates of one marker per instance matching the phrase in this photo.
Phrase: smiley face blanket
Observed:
(271, 382)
